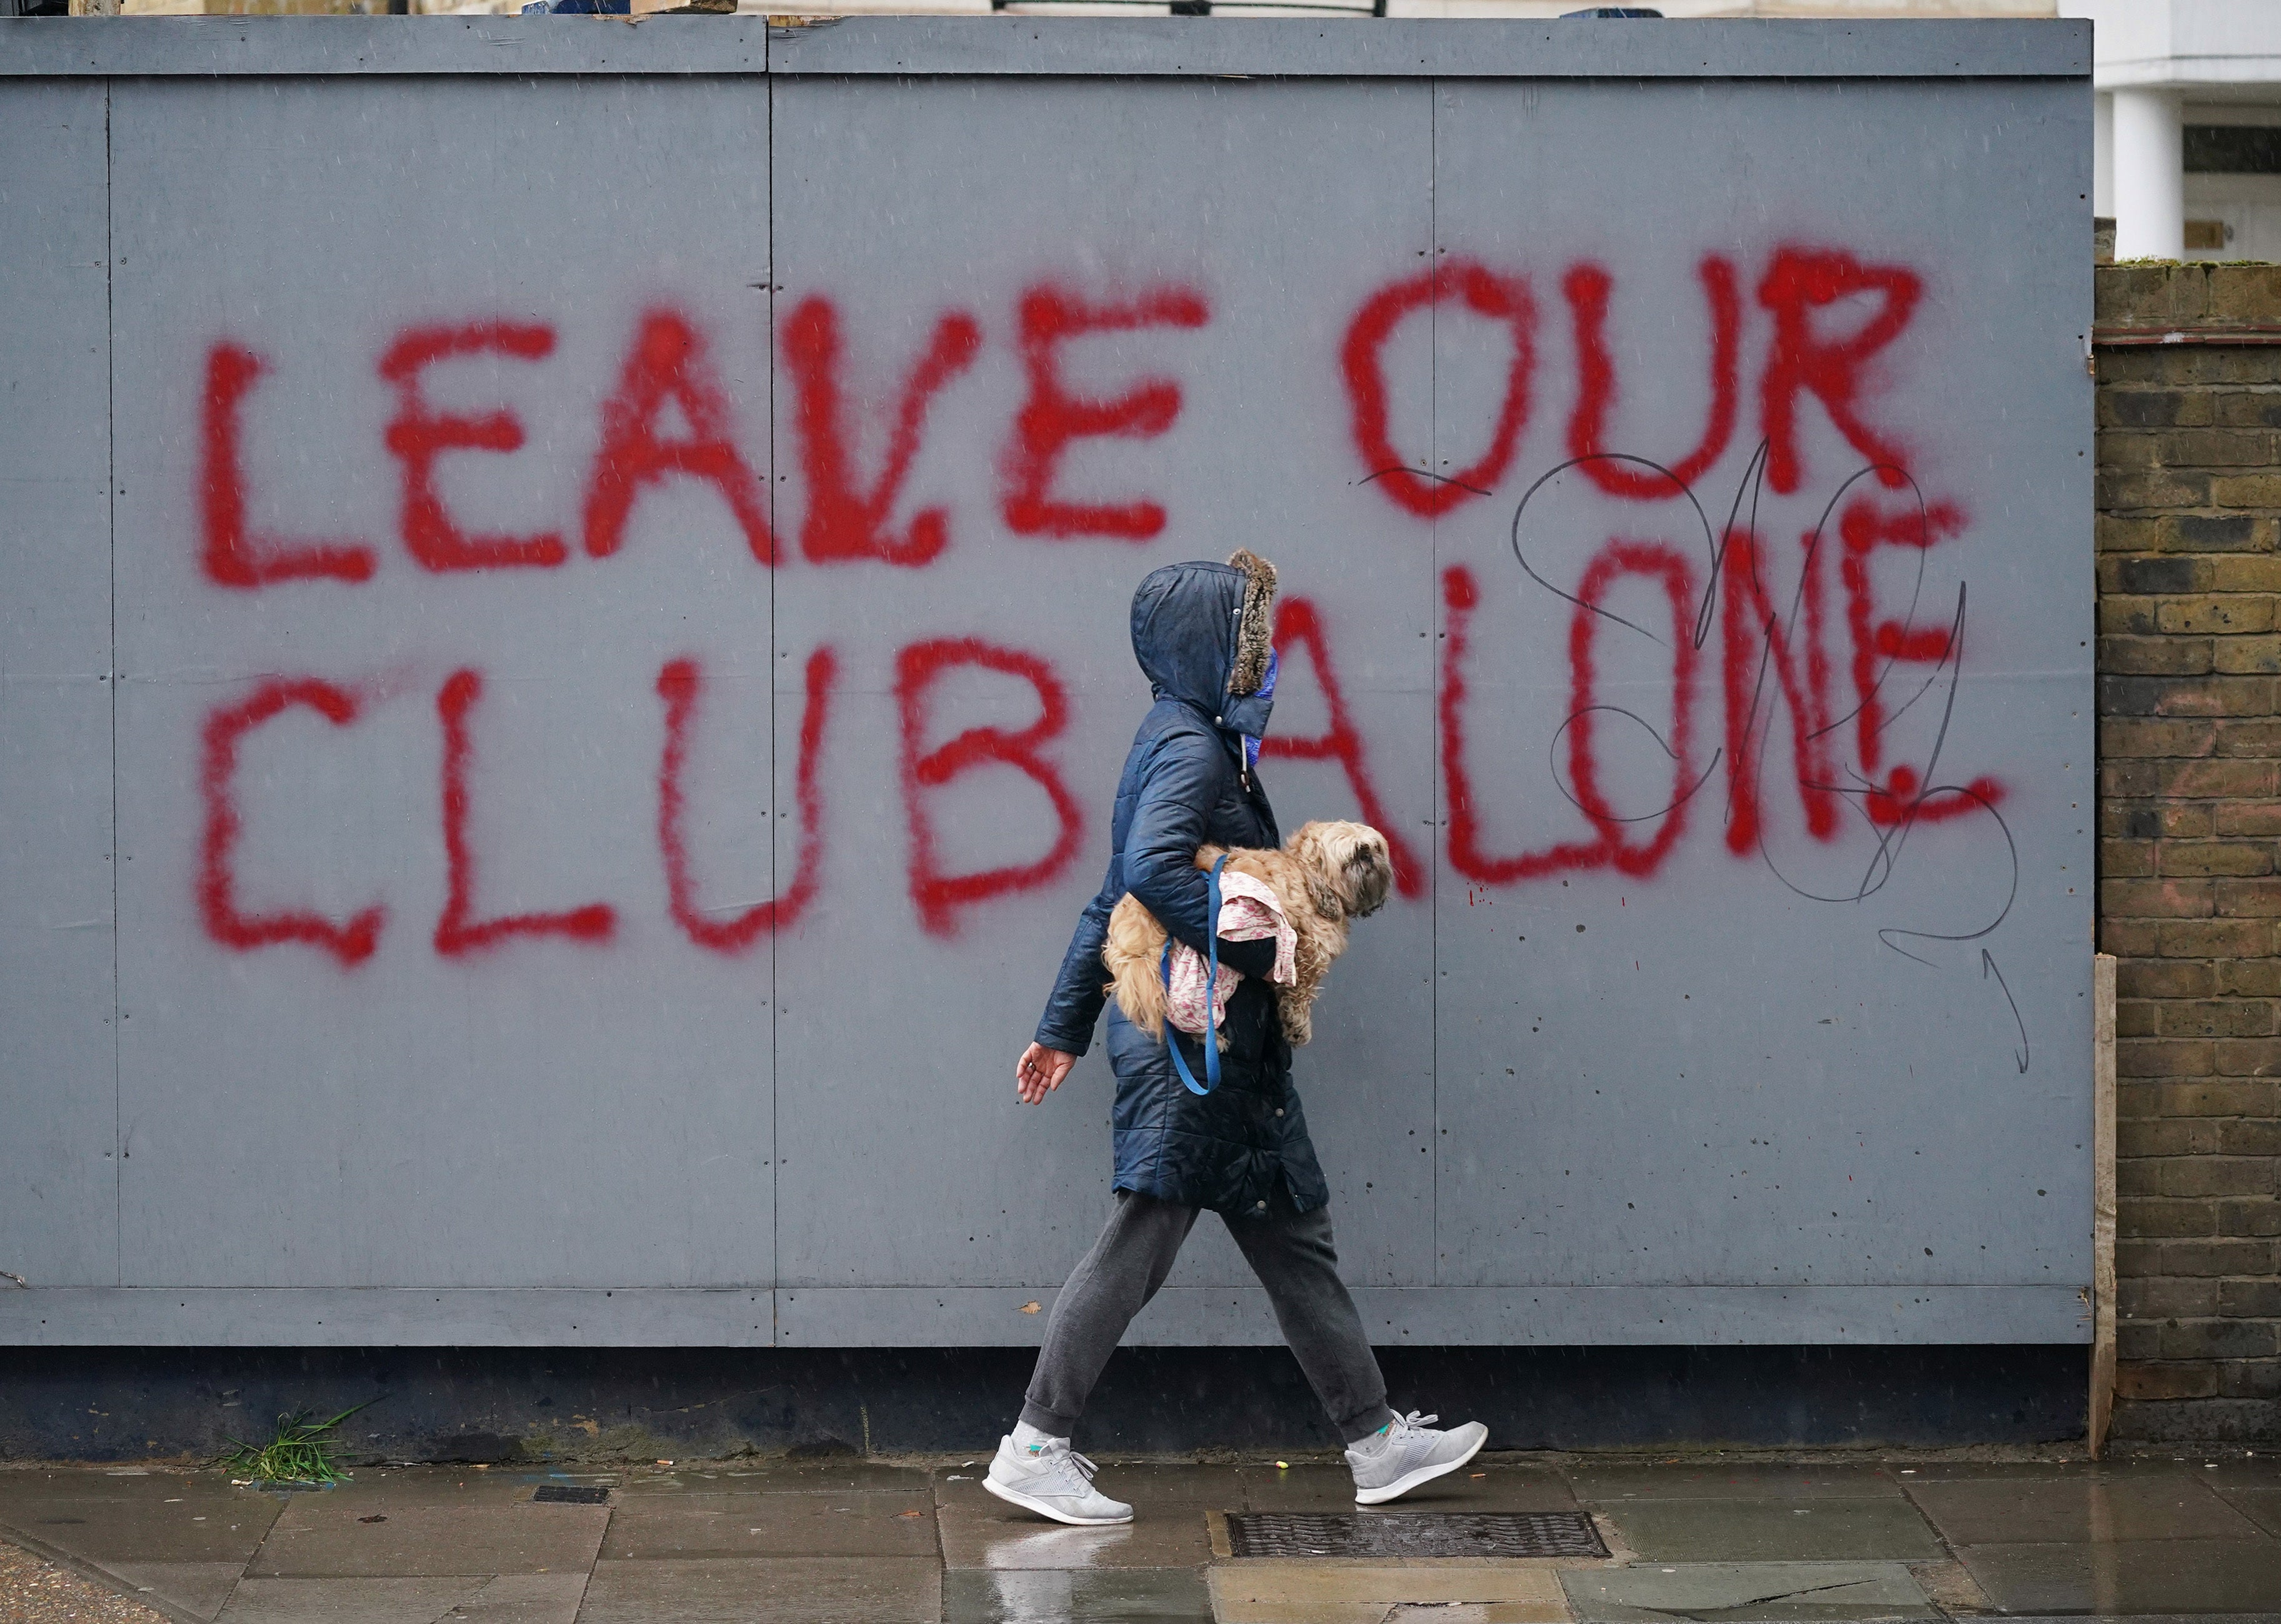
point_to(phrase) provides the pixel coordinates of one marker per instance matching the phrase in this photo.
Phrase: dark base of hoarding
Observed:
(526, 1406)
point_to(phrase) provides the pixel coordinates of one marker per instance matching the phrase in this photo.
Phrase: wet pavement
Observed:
(848, 1542)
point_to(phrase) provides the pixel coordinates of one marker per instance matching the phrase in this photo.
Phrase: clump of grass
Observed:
(302, 1452)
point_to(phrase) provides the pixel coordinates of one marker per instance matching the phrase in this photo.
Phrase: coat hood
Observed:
(1203, 634)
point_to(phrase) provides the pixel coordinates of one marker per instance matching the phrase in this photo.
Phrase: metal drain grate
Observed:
(1414, 1534)
(571, 1494)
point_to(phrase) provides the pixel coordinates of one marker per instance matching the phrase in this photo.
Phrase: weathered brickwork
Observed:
(2189, 449)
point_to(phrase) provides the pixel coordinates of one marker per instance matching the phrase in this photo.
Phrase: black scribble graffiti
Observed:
(1987, 969)
(1904, 808)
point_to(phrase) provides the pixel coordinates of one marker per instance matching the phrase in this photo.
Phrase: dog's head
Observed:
(1347, 860)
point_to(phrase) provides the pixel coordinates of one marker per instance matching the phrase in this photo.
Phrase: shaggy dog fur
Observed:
(1325, 876)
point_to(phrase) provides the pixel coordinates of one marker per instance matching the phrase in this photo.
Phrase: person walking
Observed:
(1203, 633)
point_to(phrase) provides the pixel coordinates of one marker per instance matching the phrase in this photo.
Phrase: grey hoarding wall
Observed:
(595, 590)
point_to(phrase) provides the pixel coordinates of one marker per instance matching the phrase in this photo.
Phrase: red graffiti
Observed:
(1756, 637)
(1833, 369)
(1586, 288)
(667, 363)
(1609, 848)
(1298, 625)
(419, 436)
(1051, 418)
(459, 932)
(678, 685)
(1500, 298)
(842, 523)
(1879, 645)
(232, 554)
(351, 943)
(917, 669)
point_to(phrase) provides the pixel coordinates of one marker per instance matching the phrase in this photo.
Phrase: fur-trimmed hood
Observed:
(1203, 634)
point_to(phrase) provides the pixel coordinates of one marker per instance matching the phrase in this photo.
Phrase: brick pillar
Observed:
(2189, 818)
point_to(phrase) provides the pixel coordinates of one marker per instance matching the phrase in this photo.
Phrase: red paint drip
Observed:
(1500, 298)
(678, 685)
(1298, 625)
(419, 436)
(232, 554)
(1799, 282)
(1586, 288)
(459, 932)
(1051, 417)
(669, 363)
(938, 895)
(843, 523)
(351, 943)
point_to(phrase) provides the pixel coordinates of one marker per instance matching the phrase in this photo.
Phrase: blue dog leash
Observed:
(1211, 1038)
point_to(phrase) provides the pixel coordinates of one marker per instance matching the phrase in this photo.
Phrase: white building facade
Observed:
(2189, 126)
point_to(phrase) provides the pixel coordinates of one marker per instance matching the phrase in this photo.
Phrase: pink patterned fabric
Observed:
(1248, 911)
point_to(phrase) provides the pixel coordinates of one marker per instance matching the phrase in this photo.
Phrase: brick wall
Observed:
(2189, 449)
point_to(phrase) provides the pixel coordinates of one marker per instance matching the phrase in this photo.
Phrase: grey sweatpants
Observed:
(1292, 1254)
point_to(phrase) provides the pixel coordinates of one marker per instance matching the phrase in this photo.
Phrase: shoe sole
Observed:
(1015, 1497)
(1401, 1486)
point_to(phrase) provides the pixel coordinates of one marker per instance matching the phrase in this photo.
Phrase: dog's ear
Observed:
(1318, 865)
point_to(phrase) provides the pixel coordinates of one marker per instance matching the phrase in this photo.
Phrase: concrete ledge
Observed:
(1364, 47)
(900, 1317)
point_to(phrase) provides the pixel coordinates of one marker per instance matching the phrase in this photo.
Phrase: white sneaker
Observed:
(1407, 1451)
(1054, 1480)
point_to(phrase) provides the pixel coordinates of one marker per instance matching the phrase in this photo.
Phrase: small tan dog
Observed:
(1325, 876)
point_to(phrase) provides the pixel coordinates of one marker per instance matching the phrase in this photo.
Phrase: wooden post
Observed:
(2102, 1199)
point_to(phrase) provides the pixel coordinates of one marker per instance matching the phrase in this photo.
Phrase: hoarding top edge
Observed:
(1363, 47)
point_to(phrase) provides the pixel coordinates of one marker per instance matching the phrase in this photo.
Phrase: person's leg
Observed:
(1294, 1256)
(1295, 1261)
(1034, 1467)
(1112, 1283)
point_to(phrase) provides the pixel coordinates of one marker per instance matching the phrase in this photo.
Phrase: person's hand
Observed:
(1039, 1071)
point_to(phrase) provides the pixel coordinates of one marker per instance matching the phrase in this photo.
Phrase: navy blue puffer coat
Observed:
(1201, 634)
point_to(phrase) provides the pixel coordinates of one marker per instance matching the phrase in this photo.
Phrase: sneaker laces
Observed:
(1064, 1456)
(1414, 1422)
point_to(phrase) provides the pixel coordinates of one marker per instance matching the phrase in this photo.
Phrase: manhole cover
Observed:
(1415, 1533)
(571, 1494)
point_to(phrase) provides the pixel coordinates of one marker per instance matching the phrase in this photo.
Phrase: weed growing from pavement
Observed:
(302, 1451)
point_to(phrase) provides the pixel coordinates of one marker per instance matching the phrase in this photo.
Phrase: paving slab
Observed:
(329, 1536)
(2202, 1576)
(1741, 1530)
(1365, 1593)
(151, 1518)
(2255, 1472)
(450, 1485)
(1654, 1593)
(765, 1590)
(832, 1476)
(346, 1601)
(524, 1598)
(2054, 1512)
(196, 1588)
(2262, 1506)
(1942, 1471)
(1740, 1480)
(979, 1531)
(1039, 1595)
(837, 1524)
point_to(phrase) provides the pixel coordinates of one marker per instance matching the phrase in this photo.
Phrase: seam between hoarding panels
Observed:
(776, 531)
(1434, 662)
(110, 658)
